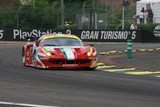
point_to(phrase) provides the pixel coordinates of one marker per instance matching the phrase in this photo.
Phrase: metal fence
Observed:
(16, 15)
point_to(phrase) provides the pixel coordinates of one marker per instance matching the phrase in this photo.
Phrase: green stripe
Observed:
(64, 53)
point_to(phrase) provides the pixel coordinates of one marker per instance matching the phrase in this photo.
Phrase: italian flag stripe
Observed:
(68, 53)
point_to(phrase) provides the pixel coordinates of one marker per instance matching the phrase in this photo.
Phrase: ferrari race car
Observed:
(59, 51)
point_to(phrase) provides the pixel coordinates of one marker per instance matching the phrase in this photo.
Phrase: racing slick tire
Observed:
(23, 58)
(91, 69)
(34, 60)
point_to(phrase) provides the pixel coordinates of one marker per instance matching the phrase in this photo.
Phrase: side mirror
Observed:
(30, 45)
(31, 39)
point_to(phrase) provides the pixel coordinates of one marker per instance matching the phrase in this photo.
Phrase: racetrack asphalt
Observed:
(142, 61)
(70, 88)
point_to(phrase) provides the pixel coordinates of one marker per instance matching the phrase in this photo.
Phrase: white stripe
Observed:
(69, 53)
(23, 104)
(37, 57)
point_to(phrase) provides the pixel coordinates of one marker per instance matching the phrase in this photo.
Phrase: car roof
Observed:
(44, 37)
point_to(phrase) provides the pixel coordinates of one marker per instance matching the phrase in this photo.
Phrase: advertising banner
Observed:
(85, 35)
(150, 36)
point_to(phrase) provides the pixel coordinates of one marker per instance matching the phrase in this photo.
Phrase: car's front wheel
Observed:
(23, 58)
(92, 69)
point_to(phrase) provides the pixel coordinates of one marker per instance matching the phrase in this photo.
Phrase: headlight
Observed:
(89, 53)
(41, 55)
(48, 54)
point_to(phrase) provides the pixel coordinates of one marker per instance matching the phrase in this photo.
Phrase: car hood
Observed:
(68, 51)
(59, 49)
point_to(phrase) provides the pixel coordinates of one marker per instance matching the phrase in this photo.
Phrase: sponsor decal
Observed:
(1, 34)
(107, 35)
(69, 65)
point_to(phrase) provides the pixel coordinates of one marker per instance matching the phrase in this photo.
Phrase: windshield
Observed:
(62, 42)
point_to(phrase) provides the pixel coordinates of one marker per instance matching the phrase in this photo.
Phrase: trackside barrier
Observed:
(138, 36)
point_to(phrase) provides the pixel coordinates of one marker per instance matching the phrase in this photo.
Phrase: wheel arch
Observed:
(23, 51)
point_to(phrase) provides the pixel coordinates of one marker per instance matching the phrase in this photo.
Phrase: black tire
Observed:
(92, 69)
(23, 57)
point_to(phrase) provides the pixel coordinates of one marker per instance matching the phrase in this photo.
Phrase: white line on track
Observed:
(23, 104)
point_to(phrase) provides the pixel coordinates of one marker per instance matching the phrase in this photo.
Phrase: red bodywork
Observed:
(57, 57)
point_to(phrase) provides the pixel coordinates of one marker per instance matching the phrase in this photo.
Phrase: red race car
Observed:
(59, 51)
